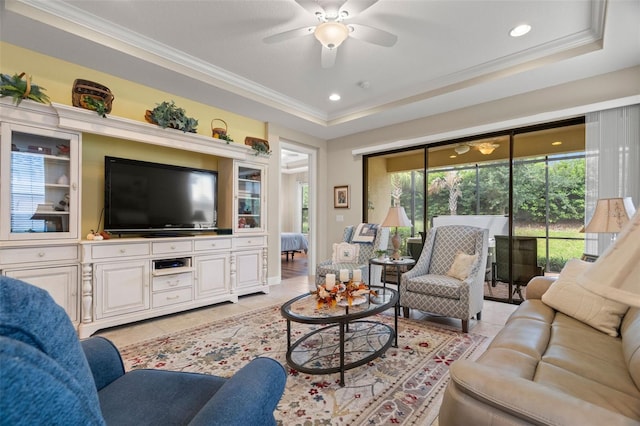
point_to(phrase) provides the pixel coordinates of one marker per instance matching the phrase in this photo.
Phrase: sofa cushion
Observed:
(579, 349)
(134, 398)
(589, 390)
(436, 285)
(567, 296)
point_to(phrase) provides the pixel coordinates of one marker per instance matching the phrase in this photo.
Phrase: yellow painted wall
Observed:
(131, 101)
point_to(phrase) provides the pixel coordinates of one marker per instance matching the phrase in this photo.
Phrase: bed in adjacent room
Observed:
(293, 242)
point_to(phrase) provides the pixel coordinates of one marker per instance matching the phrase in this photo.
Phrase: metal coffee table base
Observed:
(325, 351)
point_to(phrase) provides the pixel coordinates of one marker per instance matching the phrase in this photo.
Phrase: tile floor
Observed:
(494, 315)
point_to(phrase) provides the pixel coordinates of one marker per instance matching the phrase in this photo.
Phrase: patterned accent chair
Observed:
(366, 252)
(428, 288)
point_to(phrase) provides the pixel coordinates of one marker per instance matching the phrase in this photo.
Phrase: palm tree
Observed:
(451, 181)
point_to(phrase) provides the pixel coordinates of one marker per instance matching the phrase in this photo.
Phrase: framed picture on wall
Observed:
(341, 197)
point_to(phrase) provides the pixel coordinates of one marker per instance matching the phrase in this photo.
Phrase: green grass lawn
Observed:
(560, 250)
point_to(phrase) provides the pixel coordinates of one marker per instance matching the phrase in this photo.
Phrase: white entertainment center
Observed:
(121, 280)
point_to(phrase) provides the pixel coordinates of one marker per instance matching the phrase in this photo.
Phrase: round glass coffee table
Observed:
(344, 338)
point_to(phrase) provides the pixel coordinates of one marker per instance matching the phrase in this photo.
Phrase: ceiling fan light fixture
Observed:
(331, 34)
(461, 149)
(487, 148)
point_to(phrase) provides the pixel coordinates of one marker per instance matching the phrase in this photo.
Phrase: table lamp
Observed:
(615, 274)
(610, 216)
(396, 217)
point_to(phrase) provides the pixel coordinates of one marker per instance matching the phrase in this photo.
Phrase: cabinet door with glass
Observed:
(250, 193)
(39, 176)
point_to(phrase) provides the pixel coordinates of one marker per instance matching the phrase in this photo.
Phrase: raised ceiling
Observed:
(449, 54)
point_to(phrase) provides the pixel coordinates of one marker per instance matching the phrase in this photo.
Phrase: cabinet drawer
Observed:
(213, 244)
(38, 254)
(167, 282)
(119, 250)
(249, 242)
(167, 298)
(171, 247)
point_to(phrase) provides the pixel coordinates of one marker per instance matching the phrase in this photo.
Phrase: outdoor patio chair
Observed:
(525, 262)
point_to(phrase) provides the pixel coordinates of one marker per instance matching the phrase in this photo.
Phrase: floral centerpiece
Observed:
(348, 292)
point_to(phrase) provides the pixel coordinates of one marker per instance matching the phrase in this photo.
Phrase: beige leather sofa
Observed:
(546, 368)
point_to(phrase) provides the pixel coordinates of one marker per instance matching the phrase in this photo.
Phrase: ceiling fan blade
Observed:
(328, 58)
(287, 35)
(310, 6)
(354, 7)
(372, 35)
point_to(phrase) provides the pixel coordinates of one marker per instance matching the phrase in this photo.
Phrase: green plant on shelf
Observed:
(167, 114)
(18, 88)
(261, 149)
(97, 105)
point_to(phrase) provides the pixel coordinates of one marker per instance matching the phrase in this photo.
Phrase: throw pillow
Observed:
(365, 233)
(345, 253)
(462, 265)
(570, 298)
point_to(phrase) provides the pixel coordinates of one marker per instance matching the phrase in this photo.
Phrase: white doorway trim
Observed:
(313, 198)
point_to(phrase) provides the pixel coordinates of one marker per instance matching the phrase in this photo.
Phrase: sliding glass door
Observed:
(525, 185)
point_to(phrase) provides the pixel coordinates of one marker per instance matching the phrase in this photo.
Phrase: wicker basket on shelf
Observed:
(82, 88)
(218, 131)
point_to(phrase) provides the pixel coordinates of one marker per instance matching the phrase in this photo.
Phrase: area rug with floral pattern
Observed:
(403, 386)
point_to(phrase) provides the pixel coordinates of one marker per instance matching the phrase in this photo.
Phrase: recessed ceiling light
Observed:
(520, 30)
(334, 97)
(556, 143)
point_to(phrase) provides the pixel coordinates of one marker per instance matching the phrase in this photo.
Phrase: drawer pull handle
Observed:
(173, 247)
(123, 251)
(173, 297)
(173, 284)
(249, 242)
(41, 254)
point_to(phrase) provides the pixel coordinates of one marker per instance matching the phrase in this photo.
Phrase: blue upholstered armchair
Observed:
(435, 285)
(366, 251)
(47, 376)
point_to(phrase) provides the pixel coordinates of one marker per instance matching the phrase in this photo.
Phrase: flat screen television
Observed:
(158, 199)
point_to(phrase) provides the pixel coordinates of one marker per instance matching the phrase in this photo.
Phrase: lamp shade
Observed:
(331, 34)
(616, 273)
(396, 217)
(611, 215)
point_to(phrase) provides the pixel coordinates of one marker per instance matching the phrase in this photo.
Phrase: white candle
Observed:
(344, 275)
(330, 281)
(357, 275)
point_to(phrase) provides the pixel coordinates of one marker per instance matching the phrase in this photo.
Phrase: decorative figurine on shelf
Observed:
(63, 180)
(95, 236)
(63, 149)
(63, 205)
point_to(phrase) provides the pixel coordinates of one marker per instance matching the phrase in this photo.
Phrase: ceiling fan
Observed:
(332, 29)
